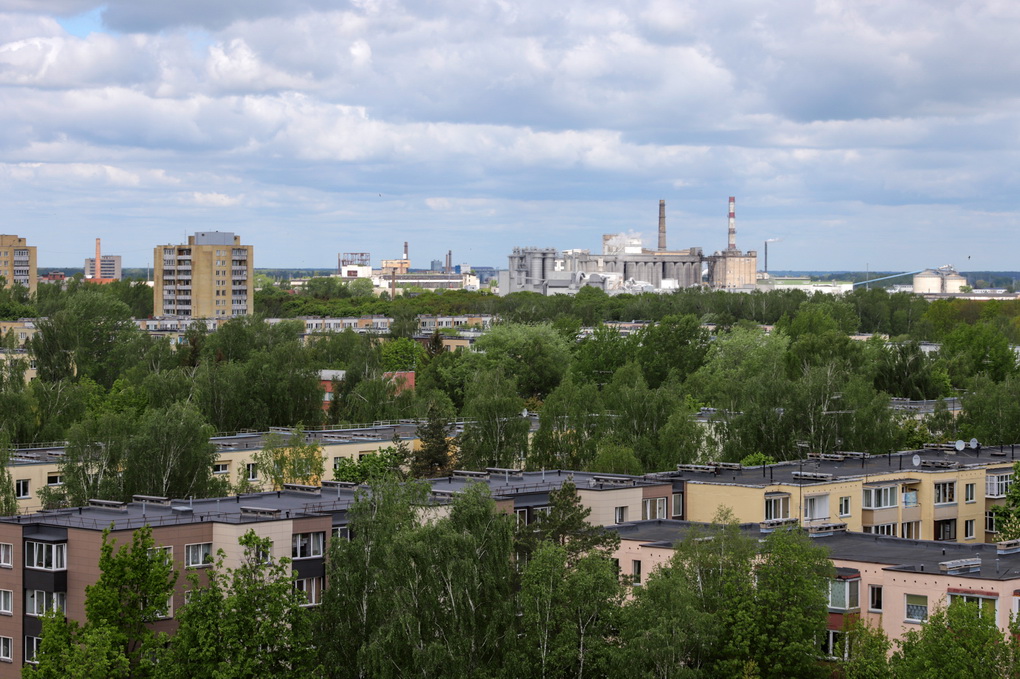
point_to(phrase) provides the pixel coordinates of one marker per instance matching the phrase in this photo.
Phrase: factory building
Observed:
(625, 265)
(943, 280)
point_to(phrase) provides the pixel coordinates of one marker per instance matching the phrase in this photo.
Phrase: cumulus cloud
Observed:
(508, 123)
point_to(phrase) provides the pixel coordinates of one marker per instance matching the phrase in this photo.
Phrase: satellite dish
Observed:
(960, 445)
(916, 460)
(973, 444)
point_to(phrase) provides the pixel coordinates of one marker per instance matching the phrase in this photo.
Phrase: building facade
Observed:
(210, 277)
(18, 262)
(109, 267)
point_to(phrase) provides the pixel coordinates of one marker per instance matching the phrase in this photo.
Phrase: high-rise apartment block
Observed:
(210, 277)
(17, 262)
(109, 267)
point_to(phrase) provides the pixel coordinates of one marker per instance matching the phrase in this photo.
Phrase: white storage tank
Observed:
(928, 282)
(954, 283)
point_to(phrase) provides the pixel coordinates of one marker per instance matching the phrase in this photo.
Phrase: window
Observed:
(198, 554)
(844, 505)
(46, 556)
(38, 602)
(166, 553)
(911, 530)
(6, 648)
(830, 644)
(879, 498)
(253, 471)
(917, 608)
(882, 529)
(986, 605)
(945, 493)
(6, 601)
(342, 532)
(968, 492)
(620, 515)
(997, 485)
(678, 505)
(312, 588)
(945, 529)
(22, 490)
(844, 595)
(32, 645)
(653, 508)
(6, 555)
(990, 522)
(221, 468)
(777, 508)
(167, 611)
(636, 571)
(307, 545)
(816, 507)
(522, 516)
(968, 529)
(54, 479)
(875, 597)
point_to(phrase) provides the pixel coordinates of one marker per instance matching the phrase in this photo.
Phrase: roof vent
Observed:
(465, 474)
(772, 524)
(108, 504)
(301, 488)
(961, 566)
(262, 512)
(152, 499)
(821, 529)
(613, 480)
(1007, 547)
(811, 476)
(182, 509)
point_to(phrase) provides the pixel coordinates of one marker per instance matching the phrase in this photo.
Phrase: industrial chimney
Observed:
(449, 261)
(733, 225)
(405, 249)
(662, 225)
(95, 267)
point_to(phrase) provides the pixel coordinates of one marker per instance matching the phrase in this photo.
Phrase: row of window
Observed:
(653, 508)
(884, 497)
(303, 546)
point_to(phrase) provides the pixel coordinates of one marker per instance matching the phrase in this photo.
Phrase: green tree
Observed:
(94, 457)
(370, 467)
(135, 584)
(434, 454)
(296, 459)
(402, 353)
(957, 642)
(863, 651)
(991, 410)
(70, 652)
(495, 435)
(566, 525)
(601, 354)
(536, 356)
(675, 343)
(569, 615)
(248, 621)
(8, 496)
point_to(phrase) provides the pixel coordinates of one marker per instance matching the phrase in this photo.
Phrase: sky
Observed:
(856, 134)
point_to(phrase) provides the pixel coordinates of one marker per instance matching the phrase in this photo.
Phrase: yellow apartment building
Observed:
(18, 262)
(933, 494)
(210, 277)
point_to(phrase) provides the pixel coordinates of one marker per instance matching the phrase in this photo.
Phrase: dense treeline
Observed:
(606, 401)
(475, 594)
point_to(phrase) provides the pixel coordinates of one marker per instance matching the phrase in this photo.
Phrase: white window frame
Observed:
(23, 489)
(252, 471)
(907, 611)
(976, 599)
(312, 589)
(990, 526)
(221, 468)
(872, 589)
(635, 569)
(201, 549)
(678, 505)
(620, 514)
(816, 507)
(777, 508)
(888, 529)
(969, 492)
(653, 508)
(844, 505)
(54, 480)
(911, 527)
(6, 649)
(939, 532)
(998, 485)
(522, 516)
(845, 595)
(38, 602)
(308, 545)
(945, 493)
(32, 646)
(880, 497)
(6, 602)
(6, 555)
(39, 554)
(968, 529)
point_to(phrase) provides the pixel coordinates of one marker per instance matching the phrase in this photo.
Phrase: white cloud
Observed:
(215, 199)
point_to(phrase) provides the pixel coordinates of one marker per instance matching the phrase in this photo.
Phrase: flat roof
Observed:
(505, 483)
(900, 554)
(870, 468)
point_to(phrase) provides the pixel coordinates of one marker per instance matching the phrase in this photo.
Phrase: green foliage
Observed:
(566, 525)
(434, 454)
(242, 622)
(70, 652)
(757, 460)
(8, 496)
(294, 459)
(402, 353)
(496, 435)
(537, 356)
(134, 585)
(957, 642)
(863, 651)
(370, 467)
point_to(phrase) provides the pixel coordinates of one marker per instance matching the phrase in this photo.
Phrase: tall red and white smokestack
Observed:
(405, 249)
(733, 225)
